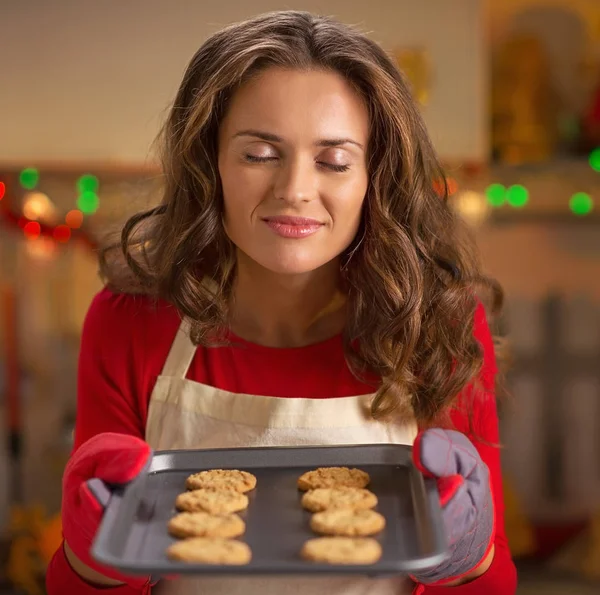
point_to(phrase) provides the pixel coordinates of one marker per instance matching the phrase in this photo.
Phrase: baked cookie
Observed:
(349, 523)
(210, 550)
(231, 479)
(342, 497)
(342, 550)
(203, 524)
(212, 500)
(333, 477)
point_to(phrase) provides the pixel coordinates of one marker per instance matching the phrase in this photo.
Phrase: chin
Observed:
(291, 268)
(291, 264)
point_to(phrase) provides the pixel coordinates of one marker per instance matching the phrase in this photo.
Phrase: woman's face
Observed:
(292, 161)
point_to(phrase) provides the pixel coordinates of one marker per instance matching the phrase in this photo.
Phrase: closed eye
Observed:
(331, 166)
(334, 167)
(255, 159)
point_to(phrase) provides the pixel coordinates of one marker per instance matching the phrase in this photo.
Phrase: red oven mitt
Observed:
(463, 481)
(105, 461)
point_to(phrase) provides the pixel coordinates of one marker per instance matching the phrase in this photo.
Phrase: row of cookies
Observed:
(207, 522)
(342, 508)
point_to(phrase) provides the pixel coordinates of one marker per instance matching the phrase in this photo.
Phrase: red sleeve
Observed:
(113, 387)
(107, 377)
(62, 579)
(478, 403)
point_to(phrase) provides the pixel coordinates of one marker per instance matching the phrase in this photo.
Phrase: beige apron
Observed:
(188, 415)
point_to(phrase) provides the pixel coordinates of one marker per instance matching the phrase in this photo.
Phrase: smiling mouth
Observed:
(293, 227)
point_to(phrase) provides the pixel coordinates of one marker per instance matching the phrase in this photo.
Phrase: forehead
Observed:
(298, 103)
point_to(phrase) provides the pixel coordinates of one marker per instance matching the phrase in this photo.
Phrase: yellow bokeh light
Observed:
(38, 207)
(472, 207)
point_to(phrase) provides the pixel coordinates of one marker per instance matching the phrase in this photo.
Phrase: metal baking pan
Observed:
(133, 534)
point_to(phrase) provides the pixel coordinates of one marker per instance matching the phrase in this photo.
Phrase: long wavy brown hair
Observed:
(411, 273)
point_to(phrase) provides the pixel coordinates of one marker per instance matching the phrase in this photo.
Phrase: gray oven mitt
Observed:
(463, 481)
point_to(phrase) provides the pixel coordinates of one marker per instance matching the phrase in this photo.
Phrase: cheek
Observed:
(346, 209)
(241, 194)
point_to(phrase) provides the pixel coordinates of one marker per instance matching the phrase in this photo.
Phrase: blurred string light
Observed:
(517, 196)
(29, 178)
(595, 159)
(472, 207)
(87, 188)
(32, 230)
(74, 219)
(495, 195)
(43, 248)
(88, 202)
(451, 186)
(37, 206)
(62, 233)
(581, 204)
(87, 183)
(39, 216)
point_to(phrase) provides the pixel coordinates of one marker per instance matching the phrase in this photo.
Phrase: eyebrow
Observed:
(273, 138)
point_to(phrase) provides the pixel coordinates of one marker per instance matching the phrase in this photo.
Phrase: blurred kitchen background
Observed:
(510, 90)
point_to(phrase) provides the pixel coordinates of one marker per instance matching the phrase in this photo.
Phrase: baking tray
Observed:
(133, 534)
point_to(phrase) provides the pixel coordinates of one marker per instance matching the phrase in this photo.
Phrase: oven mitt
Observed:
(466, 499)
(105, 461)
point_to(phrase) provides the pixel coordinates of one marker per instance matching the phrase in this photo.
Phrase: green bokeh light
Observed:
(517, 196)
(88, 183)
(29, 178)
(581, 203)
(88, 202)
(595, 159)
(496, 194)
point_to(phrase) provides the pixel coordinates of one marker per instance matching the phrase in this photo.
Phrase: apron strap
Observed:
(181, 354)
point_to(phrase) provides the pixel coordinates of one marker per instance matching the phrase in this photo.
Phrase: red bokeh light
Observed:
(32, 230)
(62, 233)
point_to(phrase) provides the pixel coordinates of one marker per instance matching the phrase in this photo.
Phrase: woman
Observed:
(300, 265)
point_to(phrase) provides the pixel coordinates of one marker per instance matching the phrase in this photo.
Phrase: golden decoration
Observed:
(416, 66)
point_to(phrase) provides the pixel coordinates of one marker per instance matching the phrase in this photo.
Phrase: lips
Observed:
(287, 220)
(293, 227)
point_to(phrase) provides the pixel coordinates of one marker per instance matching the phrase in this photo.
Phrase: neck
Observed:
(286, 310)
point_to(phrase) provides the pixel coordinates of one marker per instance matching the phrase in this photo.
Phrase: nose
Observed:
(296, 181)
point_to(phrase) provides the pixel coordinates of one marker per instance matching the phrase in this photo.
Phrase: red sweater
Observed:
(125, 343)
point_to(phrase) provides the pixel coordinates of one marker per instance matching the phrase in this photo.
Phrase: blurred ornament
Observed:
(50, 538)
(2, 190)
(472, 207)
(519, 529)
(416, 66)
(524, 103)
